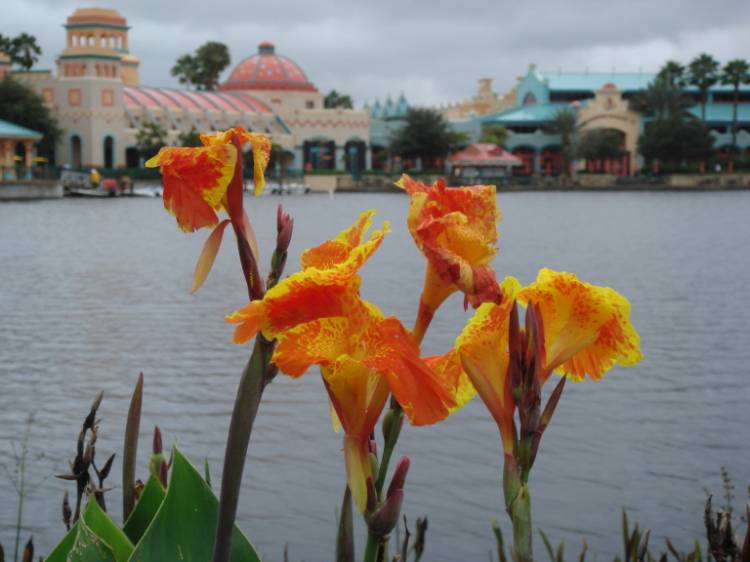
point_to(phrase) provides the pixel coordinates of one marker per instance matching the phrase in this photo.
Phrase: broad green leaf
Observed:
(88, 547)
(183, 528)
(144, 511)
(103, 527)
(60, 552)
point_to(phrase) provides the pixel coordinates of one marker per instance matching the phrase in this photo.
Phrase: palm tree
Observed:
(662, 99)
(24, 50)
(703, 73)
(734, 73)
(673, 73)
(565, 123)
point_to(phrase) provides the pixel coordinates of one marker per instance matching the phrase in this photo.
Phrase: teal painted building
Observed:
(601, 99)
(386, 120)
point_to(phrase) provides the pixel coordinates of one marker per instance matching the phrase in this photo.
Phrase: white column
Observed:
(368, 158)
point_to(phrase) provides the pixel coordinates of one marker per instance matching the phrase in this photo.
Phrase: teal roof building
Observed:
(599, 99)
(386, 120)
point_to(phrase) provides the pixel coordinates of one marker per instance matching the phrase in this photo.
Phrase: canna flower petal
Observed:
(587, 329)
(328, 286)
(451, 374)
(195, 181)
(259, 144)
(482, 348)
(363, 358)
(333, 252)
(456, 230)
(393, 352)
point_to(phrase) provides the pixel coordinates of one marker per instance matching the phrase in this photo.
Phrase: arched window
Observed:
(354, 155)
(109, 152)
(132, 157)
(75, 151)
(529, 99)
(319, 154)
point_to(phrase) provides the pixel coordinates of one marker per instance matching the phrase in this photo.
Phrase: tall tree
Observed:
(735, 73)
(202, 69)
(600, 144)
(673, 73)
(187, 70)
(565, 123)
(703, 72)
(494, 134)
(425, 135)
(334, 99)
(662, 99)
(676, 141)
(149, 138)
(22, 49)
(190, 138)
(21, 105)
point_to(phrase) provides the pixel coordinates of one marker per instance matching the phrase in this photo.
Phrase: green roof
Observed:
(527, 114)
(624, 81)
(10, 130)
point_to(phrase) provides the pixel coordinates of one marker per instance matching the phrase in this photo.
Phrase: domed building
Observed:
(334, 139)
(100, 104)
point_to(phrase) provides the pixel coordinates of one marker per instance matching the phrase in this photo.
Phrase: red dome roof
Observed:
(268, 71)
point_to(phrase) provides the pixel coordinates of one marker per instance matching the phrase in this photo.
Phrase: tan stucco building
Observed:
(100, 103)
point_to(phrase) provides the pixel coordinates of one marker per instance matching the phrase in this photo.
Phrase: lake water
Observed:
(92, 292)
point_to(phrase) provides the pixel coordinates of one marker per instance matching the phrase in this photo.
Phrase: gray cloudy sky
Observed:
(432, 50)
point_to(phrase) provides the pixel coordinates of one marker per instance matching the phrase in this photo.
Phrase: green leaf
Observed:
(103, 527)
(145, 510)
(88, 547)
(548, 546)
(183, 528)
(60, 552)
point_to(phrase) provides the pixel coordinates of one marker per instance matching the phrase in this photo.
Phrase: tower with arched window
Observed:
(97, 46)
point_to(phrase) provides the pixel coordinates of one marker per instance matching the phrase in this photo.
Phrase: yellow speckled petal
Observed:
(587, 328)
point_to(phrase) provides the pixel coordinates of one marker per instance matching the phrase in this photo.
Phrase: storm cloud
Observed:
(432, 51)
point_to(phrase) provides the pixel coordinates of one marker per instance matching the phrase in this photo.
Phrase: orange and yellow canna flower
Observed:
(479, 360)
(198, 181)
(363, 357)
(327, 285)
(587, 329)
(456, 230)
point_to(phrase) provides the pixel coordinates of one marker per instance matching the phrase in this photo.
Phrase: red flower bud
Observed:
(399, 476)
(284, 227)
(157, 447)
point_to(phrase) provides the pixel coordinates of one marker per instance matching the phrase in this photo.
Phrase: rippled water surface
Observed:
(92, 292)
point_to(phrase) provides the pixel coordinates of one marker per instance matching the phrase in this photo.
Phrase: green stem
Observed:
(249, 393)
(396, 413)
(518, 505)
(520, 515)
(376, 548)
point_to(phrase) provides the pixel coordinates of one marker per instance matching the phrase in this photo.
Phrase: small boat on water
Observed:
(88, 192)
(293, 188)
(147, 191)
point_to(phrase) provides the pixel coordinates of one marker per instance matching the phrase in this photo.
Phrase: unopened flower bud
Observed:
(392, 423)
(382, 522)
(284, 227)
(157, 447)
(163, 473)
(399, 476)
